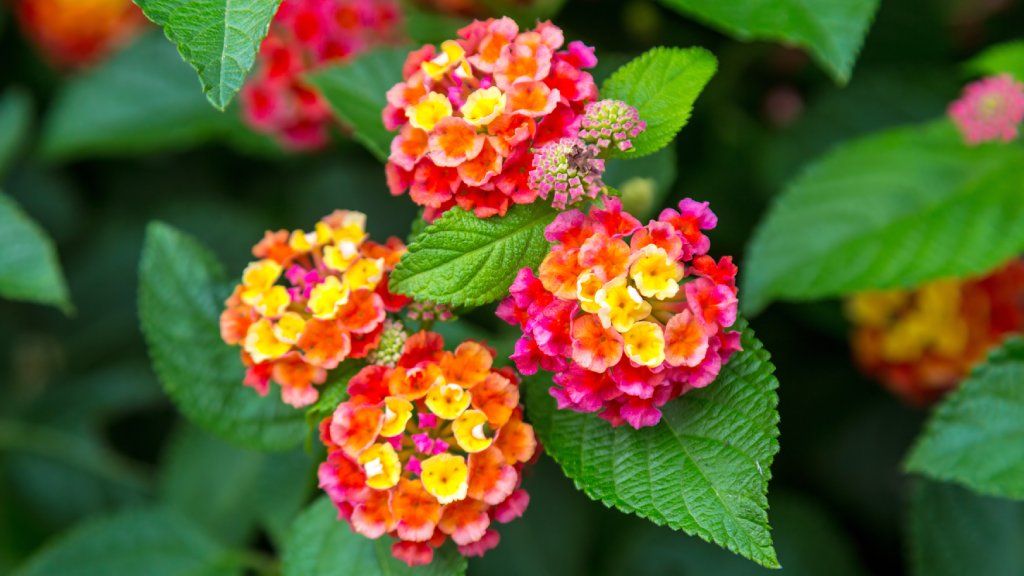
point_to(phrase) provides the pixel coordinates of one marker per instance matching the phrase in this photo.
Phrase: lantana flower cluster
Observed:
(471, 115)
(428, 448)
(627, 316)
(306, 34)
(75, 33)
(312, 300)
(921, 343)
(990, 109)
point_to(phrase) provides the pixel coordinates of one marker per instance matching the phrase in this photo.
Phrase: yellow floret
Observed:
(587, 285)
(289, 327)
(257, 278)
(644, 343)
(430, 110)
(471, 431)
(397, 412)
(261, 343)
(273, 302)
(483, 106)
(448, 400)
(620, 305)
(655, 274)
(381, 465)
(365, 273)
(446, 477)
(327, 298)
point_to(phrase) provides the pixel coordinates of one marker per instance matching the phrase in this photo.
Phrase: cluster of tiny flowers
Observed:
(470, 116)
(430, 449)
(306, 34)
(611, 124)
(990, 109)
(312, 300)
(429, 312)
(75, 33)
(567, 170)
(921, 343)
(627, 316)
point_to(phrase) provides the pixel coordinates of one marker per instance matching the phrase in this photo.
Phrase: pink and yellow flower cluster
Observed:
(312, 300)
(627, 316)
(428, 449)
(921, 343)
(470, 115)
(990, 109)
(306, 34)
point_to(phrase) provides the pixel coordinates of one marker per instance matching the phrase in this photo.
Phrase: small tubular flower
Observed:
(567, 171)
(990, 109)
(77, 33)
(429, 449)
(470, 115)
(627, 316)
(306, 34)
(611, 124)
(296, 317)
(921, 343)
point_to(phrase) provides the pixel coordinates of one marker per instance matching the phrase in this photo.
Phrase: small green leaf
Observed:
(321, 544)
(219, 38)
(1006, 58)
(833, 32)
(357, 93)
(140, 101)
(181, 293)
(976, 436)
(29, 268)
(662, 84)
(704, 469)
(953, 532)
(154, 542)
(15, 124)
(462, 260)
(891, 210)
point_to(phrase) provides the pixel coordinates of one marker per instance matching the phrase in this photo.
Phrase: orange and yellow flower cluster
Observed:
(428, 449)
(74, 33)
(312, 300)
(921, 343)
(470, 116)
(628, 317)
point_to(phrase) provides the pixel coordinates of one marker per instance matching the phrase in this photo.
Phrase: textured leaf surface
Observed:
(29, 268)
(704, 469)
(357, 92)
(976, 436)
(320, 545)
(887, 211)
(662, 84)
(953, 532)
(831, 31)
(1005, 58)
(181, 292)
(219, 38)
(463, 260)
(152, 542)
(142, 100)
(15, 123)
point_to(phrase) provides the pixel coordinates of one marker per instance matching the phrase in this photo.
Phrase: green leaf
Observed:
(230, 491)
(662, 84)
(219, 38)
(154, 542)
(357, 93)
(140, 101)
(1006, 58)
(976, 435)
(832, 32)
(29, 268)
(15, 124)
(704, 469)
(462, 260)
(953, 532)
(320, 544)
(181, 293)
(891, 210)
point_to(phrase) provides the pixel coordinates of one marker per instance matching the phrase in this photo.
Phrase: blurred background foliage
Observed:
(86, 431)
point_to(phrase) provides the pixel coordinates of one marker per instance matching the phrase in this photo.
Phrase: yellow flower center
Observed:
(620, 305)
(289, 328)
(655, 274)
(327, 297)
(445, 477)
(483, 106)
(448, 400)
(364, 273)
(430, 110)
(644, 343)
(262, 344)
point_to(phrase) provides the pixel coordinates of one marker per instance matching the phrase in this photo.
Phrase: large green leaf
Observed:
(219, 38)
(463, 260)
(952, 532)
(140, 101)
(15, 123)
(976, 436)
(321, 544)
(149, 541)
(890, 210)
(181, 293)
(29, 268)
(704, 469)
(1007, 58)
(357, 93)
(662, 84)
(832, 32)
